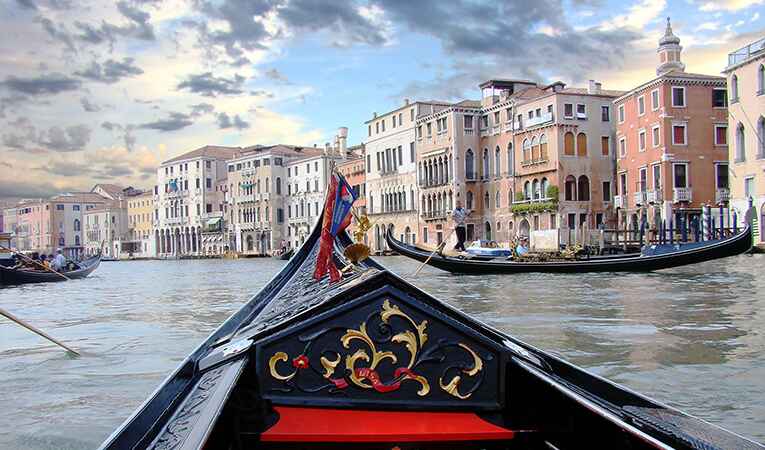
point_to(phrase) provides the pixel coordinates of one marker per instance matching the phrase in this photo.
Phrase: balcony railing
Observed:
(745, 53)
(433, 215)
(176, 220)
(495, 130)
(507, 127)
(471, 176)
(722, 195)
(619, 201)
(532, 162)
(469, 131)
(434, 183)
(640, 198)
(654, 196)
(682, 195)
(544, 118)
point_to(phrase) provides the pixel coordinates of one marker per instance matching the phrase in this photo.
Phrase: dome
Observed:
(668, 37)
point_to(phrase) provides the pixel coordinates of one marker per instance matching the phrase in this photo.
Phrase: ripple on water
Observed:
(691, 337)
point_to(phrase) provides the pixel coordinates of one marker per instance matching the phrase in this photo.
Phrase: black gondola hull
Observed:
(10, 276)
(731, 246)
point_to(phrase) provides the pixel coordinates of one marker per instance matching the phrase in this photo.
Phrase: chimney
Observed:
(342, 141)
(593, 88)
(326, 148)
(374, 115)
(406, 102)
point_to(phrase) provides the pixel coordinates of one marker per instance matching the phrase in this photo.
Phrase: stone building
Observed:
(672, 144)
(746, 132)
(185, 197)
(106, 227)
(141, 212)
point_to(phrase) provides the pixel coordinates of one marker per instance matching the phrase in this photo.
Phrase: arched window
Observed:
(535, 189)
(510, 197)
(487, 234)
(543, 147)
(510, 159)
(265, 219)
(544, 186)
(761, 137)
(584, 189)
(570, 188)
(485, 173)
(568, 144)
(534, 149)
(740, 143)
(278, 186)
(469, 165)
(486, 201)
(734, 88)
(497, 203)
(527, 190)
(761, 79)
(76, 240)
(526, 150)
(469, 200)
(76, 224)
(497, 165)
(581, 144)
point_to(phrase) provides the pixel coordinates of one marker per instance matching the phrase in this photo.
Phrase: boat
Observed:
(286, 255)
(22, 275)
(371, 361)
(488, 249)
(652, 257)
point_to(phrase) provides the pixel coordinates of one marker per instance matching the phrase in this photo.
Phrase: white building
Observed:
(186, 198)
(106, 227)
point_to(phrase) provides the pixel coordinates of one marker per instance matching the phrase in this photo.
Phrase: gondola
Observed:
(371, 361)
(22, 276)
(653, 257)
(286, 255)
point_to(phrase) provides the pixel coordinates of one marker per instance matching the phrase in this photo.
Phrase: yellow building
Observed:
(141, 216)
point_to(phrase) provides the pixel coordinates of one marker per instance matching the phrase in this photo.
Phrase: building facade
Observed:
(672, 145)
(186, 198)
(106, 229)
(140, 213)
(746, 133)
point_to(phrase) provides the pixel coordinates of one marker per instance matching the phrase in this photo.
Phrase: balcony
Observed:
(533, 162)
(177, 194)
(484, 132)
(655, 196)
(433, 183)
(682, 195)
(507, 127)
(619, 201)
(471, 176)
(743, 54)
(495, 130)
(434, 215)
(469, 132)
(176, 220)
(722, 195)
(542, 119)
(640, 198)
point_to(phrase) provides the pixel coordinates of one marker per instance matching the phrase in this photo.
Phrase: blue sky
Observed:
(94, 91)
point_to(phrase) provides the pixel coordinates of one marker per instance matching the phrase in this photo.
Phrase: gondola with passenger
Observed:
(34, 274)
(366, 360)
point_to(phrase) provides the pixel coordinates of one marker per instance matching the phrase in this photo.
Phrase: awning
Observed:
(213, 222)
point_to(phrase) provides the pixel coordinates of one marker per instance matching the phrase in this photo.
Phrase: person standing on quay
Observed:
(459, 215)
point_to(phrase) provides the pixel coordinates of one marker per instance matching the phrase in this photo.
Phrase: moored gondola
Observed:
(286, 255)
(11, 276)
(653, 257)
(370, 361)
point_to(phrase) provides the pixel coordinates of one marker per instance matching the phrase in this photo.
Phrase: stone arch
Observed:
(583, 192)
(524, 228)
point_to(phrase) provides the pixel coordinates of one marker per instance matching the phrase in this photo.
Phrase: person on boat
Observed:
(459, 215)
(44, 261)
(523, 247)
(59, 262)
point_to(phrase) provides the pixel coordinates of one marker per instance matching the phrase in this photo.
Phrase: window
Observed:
(655, 100)
(568, 145)
(606, 191)
(678, 97)
(429, 127)
(468, 122)
(411, 152)
(59, 207)
(568, 110)
(680, 175)
(485, 173)
(278, 186)
(641, 140)
(761, 80)
(411, 114)
(621, 113)
(383, 125)
(734, 89)
(740, 143)
(369, 164)
(581, 144)
(531, 114)
(394, 121)
(570, 188)
(641, 105)
(605, 113)
(484, 121)
(497, 163)
(656, 176)
(400, 156)
(208, 207)
(679, 134)
(643, 183)
(469, 200)
(527, 149)
(584, 189)
(719, 98)
(199, 211)
(197, 184)
(369, 130)
(208, 164)
(749, 187)
(623, 183)
(655, 136)
(543, 147)
(400, 118)
(605, 145)
(76, 225)
(511, 159)
(721, 176)
(622, 147)
(761, 137)
(581, 111)
(469, 165)
(75, 207)
(721, 135)
(496, 118)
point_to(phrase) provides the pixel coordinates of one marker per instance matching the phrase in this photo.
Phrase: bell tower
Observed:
(669, 52)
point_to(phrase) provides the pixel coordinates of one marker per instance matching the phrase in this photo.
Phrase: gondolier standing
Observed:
(459, 215)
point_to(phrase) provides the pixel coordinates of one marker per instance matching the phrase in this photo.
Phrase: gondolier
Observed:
(459, 215)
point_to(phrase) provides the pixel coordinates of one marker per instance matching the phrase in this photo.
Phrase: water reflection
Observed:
(690, 336)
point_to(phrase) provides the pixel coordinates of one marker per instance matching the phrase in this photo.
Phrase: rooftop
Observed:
(746, 53)
(674, 75)
(78, 197)
(208, 151)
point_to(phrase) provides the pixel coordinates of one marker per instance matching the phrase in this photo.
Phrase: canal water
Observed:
(693, 337)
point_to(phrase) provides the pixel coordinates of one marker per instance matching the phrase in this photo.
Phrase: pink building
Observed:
(672, 147)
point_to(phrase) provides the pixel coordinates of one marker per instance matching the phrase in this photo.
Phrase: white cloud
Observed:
(710, 26)
(638, 16)
(755, 17)
(729, 5)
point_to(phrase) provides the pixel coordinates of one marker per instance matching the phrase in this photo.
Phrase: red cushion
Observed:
(342, 425)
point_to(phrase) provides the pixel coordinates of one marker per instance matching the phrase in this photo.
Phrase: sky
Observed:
(103, 91)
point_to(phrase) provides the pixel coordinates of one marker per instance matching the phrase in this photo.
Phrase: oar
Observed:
(36, 262)
(35, 330)
(438, 247)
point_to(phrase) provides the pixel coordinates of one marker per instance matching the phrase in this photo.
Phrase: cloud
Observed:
(140, 27)
(111, 71)
(48, 84)
(87, 106)
(201, 109)
(57, 33)
(225, 122)
(126, 133)
(729, 5)
(710, 26)
(275, 75)
(208, 85)
(25, 136)
(24, 188)
(93, 35)
(173, 122)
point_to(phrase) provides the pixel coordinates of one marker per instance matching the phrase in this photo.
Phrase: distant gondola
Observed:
(654, 257)
(22, 275)
(373, 362)
(286, 255)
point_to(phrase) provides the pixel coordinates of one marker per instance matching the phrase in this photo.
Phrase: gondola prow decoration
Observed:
(337, 217)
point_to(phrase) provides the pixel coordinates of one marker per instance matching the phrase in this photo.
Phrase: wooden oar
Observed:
(36, 262)
(438, 247)
(35, 330)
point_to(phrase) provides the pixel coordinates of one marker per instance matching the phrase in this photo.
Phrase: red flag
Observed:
(324, 261)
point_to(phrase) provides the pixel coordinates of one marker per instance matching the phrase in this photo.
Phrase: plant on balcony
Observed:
(526, 208)
(552, 193)
(519, 197)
